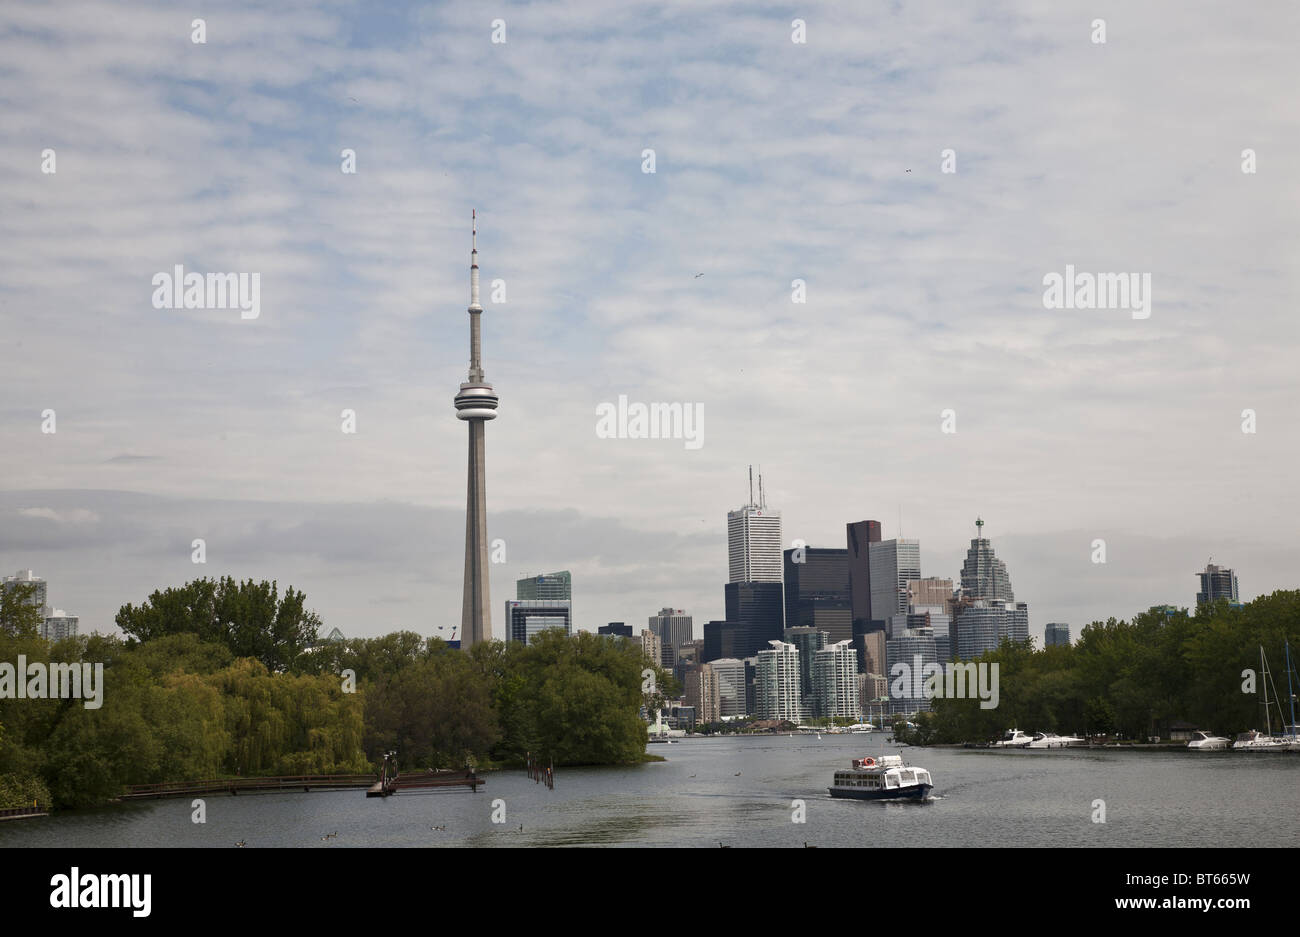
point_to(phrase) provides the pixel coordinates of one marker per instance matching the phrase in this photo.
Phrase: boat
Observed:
(861, 727)
(1052, 740)
(883, 778)
(1014, 739)
(1203, 741)
(1256, 741)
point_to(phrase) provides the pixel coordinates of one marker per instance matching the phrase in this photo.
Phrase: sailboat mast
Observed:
(1286, 644)
(1263, 666)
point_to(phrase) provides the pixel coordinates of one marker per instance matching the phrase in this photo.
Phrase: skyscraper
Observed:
(893, 564)
(754, 540)
(860, 536)
(476, 403)
(25, 577)
(1217, 582)
(702, 693)
(673, 626)
(915, 648)
(758, 608)
(526, 618)
(59, 625)
(817, 591)
(1056, 634)
(550, 586)
(730, 674)
(983, 575)
(776, 683)
(835, 681)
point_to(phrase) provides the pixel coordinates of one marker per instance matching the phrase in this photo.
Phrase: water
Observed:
(695, 798)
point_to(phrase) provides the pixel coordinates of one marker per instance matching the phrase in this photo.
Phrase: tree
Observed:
(250, 619)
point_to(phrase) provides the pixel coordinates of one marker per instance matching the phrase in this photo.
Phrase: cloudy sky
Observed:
(775, 160)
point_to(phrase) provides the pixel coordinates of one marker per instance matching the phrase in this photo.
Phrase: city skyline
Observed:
(674, 286)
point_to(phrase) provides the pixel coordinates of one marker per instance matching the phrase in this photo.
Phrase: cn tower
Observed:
(476, 404)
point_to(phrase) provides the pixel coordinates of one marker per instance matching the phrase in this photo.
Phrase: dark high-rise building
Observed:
(723, 639)
(861, 535)
(1217, 582)
(817, 591)
(616, 627)
(1056, 634)
(759, 607)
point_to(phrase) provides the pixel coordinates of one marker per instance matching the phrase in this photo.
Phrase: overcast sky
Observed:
(775, 161)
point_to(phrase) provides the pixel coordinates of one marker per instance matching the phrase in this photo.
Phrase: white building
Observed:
(59, 625)
(776, 683)
(754, 545)
(835, 681)
(25, 577)
(730, 675)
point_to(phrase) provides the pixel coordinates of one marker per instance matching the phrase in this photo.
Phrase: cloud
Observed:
(775, 161)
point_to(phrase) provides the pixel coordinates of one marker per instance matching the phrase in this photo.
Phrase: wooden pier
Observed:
(373, 787)
(22, 813)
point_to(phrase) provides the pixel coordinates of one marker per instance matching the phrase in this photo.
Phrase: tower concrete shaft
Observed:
(476, 403)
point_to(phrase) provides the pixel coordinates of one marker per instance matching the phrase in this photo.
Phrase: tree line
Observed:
(223, 678)
(1133, 679)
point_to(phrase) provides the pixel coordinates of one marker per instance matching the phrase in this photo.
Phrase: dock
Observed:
(22, 813)
(373, 787)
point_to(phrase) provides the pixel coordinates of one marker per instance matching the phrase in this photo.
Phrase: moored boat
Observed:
(1203, 741)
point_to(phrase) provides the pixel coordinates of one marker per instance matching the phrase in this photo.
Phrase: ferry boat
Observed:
(883, 778)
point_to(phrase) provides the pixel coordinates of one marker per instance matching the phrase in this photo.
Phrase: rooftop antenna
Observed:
(762, 501)
(751, 486)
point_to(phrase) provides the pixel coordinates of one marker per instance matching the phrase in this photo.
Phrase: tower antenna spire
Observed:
(476, 403)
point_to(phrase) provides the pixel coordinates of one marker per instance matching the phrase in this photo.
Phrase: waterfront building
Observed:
(702, 693)
(835, 681)
(776, 683)
(730, 676)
